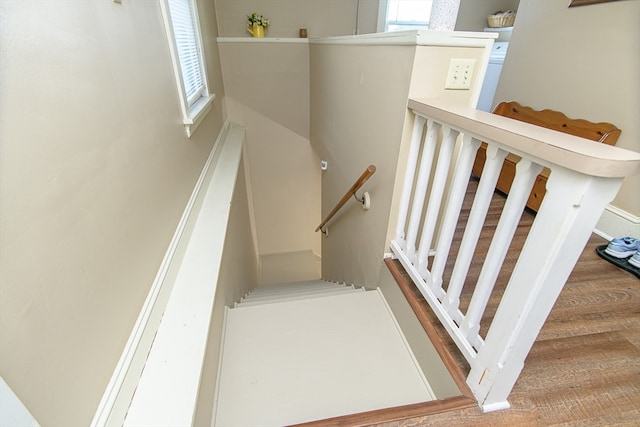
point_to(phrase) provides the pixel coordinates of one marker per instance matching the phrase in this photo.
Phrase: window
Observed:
(185, 44)
(405, 14)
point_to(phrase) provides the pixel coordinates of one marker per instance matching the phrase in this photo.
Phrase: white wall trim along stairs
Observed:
(154, 346)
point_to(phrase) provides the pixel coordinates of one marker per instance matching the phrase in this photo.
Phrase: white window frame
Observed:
(383, 24)
(192, 112)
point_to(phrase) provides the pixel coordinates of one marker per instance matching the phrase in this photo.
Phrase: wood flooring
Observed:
(584, 368)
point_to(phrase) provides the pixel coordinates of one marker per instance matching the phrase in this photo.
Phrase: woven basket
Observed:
(504, 20)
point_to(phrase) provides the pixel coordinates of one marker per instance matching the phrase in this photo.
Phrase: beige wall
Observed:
(584, 62)
(238, 276)
(322, 18)
(472, 15)
(358, 112)
(425, 353)
(95, 171)
(359, 98)
(430, 70)
(267, 91)
(270, 78)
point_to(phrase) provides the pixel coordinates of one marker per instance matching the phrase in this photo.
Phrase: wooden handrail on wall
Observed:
(351, 192)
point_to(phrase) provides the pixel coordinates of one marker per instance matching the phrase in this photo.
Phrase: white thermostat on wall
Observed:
(324, 165)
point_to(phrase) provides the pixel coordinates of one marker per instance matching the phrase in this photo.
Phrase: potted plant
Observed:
(257, 24)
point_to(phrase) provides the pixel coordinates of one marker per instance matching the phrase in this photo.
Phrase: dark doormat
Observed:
(623, 263)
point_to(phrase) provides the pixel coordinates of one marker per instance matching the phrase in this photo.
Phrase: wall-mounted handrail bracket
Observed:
(365, 200)
(351, 192)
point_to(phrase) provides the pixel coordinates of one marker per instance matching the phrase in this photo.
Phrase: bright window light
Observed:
(187, 55)
(185, 31)
(408, 14)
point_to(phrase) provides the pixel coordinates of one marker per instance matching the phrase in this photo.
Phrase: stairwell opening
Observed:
(274, 370)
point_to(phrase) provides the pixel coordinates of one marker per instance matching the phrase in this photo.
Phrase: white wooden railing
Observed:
(585, 177)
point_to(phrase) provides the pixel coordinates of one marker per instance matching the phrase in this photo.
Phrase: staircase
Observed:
(299, 352)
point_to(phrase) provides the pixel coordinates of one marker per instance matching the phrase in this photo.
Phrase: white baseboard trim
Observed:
(217, 391)
(615, 222)
(252, 217)
(124, 381)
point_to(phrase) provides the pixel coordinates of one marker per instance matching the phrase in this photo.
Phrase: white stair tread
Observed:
(286, 287)
(301, 290)
(312, 359)
(297, 296)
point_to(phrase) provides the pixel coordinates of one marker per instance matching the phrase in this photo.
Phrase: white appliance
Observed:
(496, 59)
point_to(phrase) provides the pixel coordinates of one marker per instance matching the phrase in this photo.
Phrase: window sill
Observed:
(197, 112)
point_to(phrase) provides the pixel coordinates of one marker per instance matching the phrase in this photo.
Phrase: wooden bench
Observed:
(555, 120)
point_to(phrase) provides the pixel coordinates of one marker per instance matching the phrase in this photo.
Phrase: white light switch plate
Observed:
(460, 73)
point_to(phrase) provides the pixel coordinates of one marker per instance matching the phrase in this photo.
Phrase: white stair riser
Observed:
(299, 292)
(298, 297)
(294, 286)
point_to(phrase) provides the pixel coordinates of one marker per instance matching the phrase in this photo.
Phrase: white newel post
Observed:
(570, 210)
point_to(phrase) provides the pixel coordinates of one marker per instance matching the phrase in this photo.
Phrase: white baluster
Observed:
(526, 173)
(419, 194)
(435, 198)
(452, 211)
(409, 176)
(490, 173)
(571, 208)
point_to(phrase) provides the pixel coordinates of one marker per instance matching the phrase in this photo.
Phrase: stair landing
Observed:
(304, 360)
